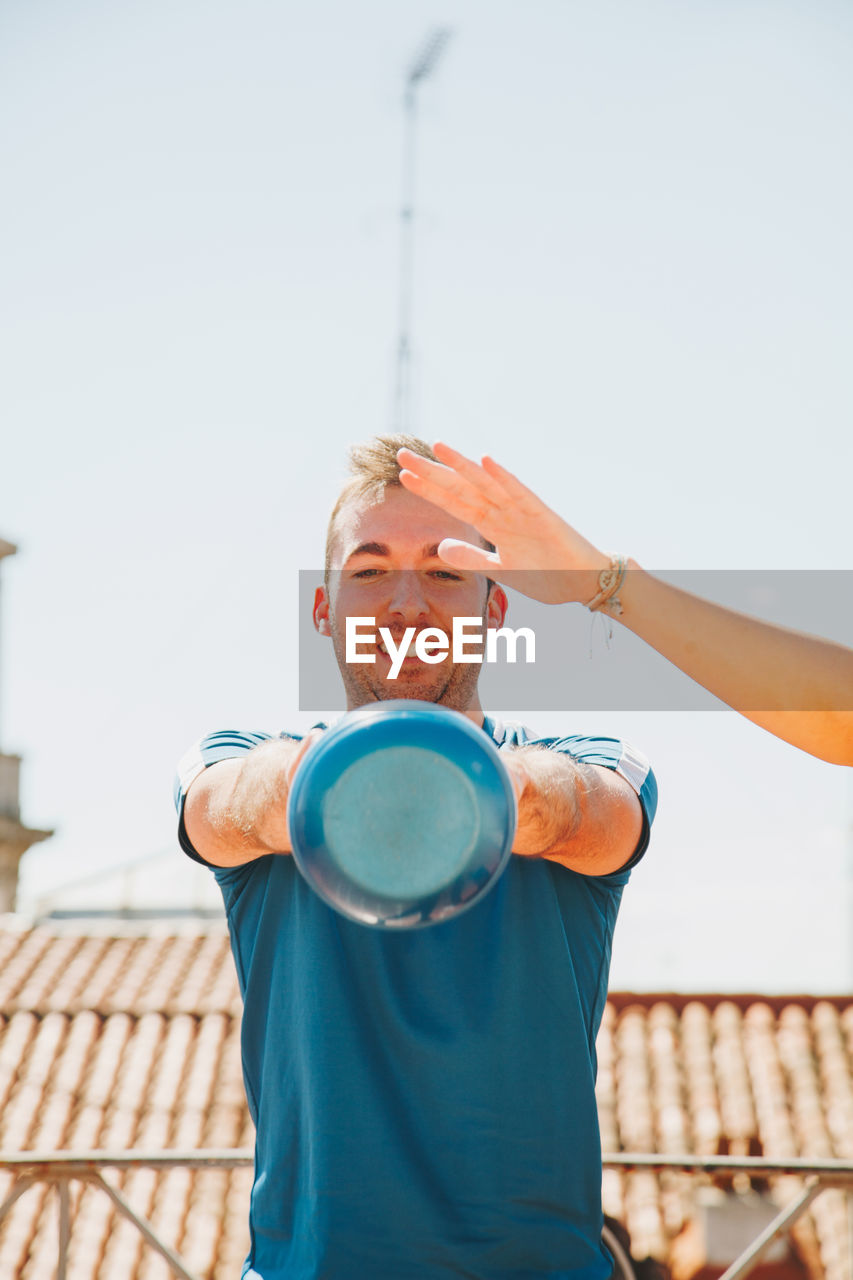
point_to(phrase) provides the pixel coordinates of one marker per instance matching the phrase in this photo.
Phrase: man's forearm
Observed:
(584, 816)
(257, 807)
(236, 811)
(549, 803)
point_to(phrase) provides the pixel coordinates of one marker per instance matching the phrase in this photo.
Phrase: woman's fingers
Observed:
(469, 471)
(464, 555)
(525, 498)
(460, 487)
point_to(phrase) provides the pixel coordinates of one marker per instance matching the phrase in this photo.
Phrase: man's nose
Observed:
(408, 600)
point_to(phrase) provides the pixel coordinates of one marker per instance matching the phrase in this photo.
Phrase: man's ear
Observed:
(496, 606)
(320, 612)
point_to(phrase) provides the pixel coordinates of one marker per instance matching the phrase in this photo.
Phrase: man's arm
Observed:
(798, 687)
(236, 810)
(584, 816)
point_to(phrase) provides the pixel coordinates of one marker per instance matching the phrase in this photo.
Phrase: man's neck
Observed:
(473, 712)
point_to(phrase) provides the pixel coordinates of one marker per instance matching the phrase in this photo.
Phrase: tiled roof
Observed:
(133, 1041)
(726, 1075)
(114, 1043)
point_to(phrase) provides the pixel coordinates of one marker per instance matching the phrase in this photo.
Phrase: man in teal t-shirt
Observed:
(424, 1101)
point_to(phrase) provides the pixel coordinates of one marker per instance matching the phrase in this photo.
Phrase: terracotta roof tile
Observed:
(634, 1108)
(768, 1081)
(21, 1228)
(702, 1099)
(80, 974)
(17, 1032)
(836, 1079)
(141, 973)
(22, 957)
(208, 984)
(733, 1084)
(667, 1076)
(134, 1042)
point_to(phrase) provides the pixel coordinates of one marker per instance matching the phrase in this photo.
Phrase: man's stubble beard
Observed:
(455, 689)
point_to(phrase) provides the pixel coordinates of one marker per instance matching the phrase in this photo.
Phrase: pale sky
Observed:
(633, 282)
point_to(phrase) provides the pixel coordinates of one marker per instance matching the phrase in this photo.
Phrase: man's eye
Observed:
(446, 575)
(367, 573)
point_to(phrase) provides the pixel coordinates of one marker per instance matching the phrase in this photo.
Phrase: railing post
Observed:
(63, 1191)
(18, 1189)
(744, 1263)
(144, 1228)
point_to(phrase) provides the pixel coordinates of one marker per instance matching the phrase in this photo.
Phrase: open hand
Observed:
(537, 552)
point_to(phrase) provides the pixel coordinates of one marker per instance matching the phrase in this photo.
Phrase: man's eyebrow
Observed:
(370, 549)
(429, 550)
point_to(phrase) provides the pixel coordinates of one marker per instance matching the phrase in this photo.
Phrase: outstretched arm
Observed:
(798, 687)
(584, 816)
(236, 810)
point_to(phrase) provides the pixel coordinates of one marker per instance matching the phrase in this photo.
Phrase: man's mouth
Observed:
(408, 652)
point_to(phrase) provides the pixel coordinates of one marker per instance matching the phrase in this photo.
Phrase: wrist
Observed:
(609, 584)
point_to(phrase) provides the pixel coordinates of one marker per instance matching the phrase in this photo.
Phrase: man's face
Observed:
(385, 566)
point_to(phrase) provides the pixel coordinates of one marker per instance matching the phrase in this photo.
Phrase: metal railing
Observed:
(59, 1169)
(819, 1175)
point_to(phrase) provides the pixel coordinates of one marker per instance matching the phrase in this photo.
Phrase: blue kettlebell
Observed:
(402, 815)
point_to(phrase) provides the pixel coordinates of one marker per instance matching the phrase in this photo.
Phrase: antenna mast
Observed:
(422, 66)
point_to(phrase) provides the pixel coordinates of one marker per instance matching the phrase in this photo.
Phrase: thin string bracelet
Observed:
(606, 598)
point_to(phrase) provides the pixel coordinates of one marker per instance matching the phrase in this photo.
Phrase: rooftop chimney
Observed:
(15, 838)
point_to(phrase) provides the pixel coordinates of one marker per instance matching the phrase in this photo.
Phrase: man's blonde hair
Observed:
(373, 469)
